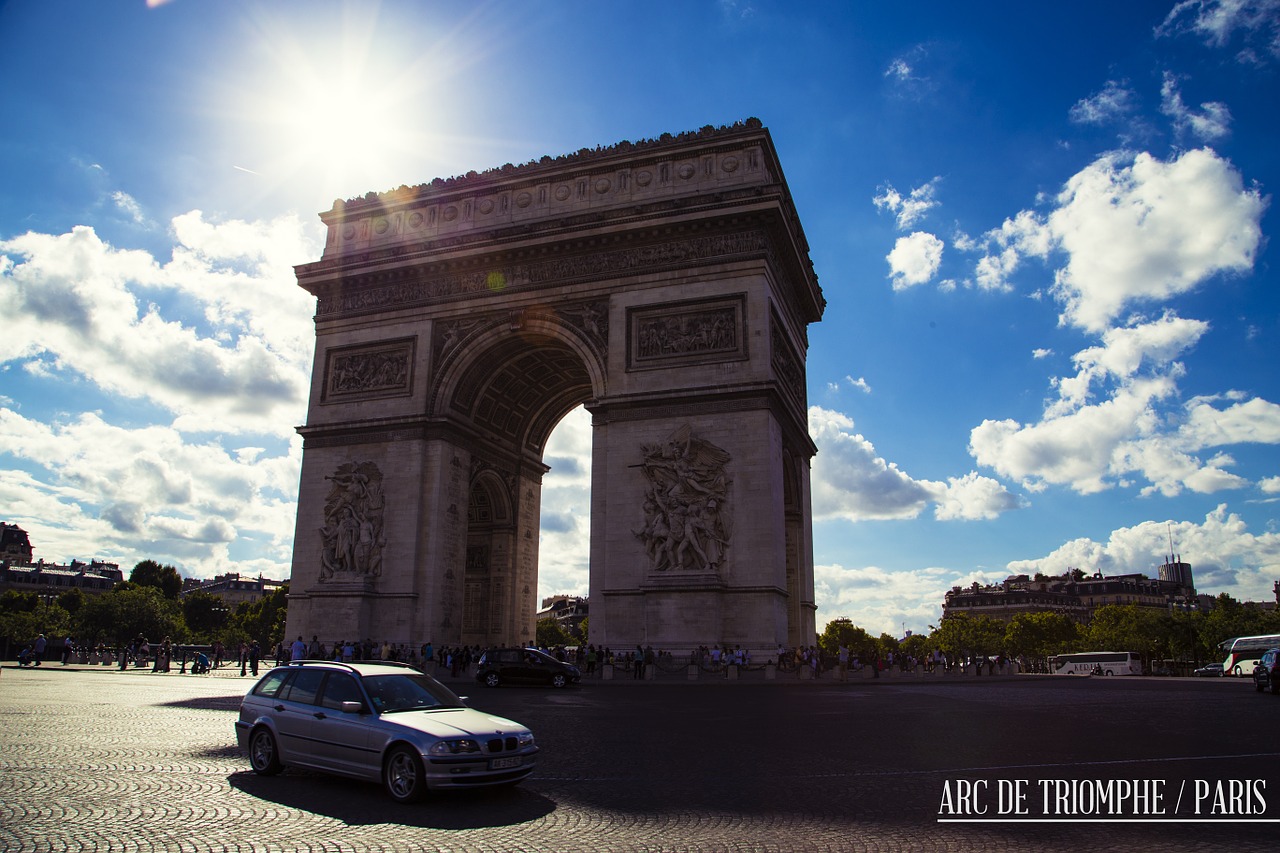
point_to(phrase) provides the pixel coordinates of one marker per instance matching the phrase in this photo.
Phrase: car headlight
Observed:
(460, 746)
(526, 739)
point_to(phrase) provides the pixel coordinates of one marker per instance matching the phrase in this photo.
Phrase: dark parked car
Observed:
(1209, 669)
(524, 666)
(1266, 675)
(383, 722)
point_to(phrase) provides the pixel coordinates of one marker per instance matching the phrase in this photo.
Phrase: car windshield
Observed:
(391, 693)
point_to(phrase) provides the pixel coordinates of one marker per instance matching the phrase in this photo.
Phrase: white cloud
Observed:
(1118, 418)
(880, 600)
(1224, 555)
(899, 69)
(1134, 231)
(1115, 101)
(1211, 123)
(974, 497)
(1216, 22)
(219, 339)
(911, 208)
(148, 493)
(130, 206)
(850, 481)
(914, 259)
(76, 303)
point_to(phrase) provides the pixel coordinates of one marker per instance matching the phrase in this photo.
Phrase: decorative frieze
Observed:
(687, 333)
(355, 297)
(786, 364)
(385, 370)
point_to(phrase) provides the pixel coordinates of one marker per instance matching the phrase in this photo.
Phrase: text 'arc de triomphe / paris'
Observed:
(666, 285)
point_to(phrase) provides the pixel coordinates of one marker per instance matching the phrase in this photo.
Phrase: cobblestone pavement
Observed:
(110, 761)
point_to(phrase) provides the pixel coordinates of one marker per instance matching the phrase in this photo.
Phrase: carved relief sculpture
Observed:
(376, 371)
(352, 532)
(687, 521)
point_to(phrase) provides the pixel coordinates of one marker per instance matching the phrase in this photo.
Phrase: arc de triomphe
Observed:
(667, 286)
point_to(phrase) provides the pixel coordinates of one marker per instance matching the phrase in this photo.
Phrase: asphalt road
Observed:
(104, 760)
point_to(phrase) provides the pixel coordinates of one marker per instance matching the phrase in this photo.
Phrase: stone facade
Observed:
(664, 284)
(1075, 595)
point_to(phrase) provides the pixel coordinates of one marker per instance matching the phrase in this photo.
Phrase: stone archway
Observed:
(666, 285)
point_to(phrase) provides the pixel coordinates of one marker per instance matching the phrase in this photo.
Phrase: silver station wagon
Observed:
(381, 722)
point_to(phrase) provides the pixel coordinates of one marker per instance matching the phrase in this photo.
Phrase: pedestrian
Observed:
(38, 649)
(255, 653)
(67, 645)
(299, 650)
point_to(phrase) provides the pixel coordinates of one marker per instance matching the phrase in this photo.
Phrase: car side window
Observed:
(340, 688)
(304, 686)
(509, 656)
(270, 685)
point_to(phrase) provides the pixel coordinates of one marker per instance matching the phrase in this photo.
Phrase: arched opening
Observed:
(512, 391)
(564, 536)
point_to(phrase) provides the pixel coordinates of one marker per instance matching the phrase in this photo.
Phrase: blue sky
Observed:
(1043, 232)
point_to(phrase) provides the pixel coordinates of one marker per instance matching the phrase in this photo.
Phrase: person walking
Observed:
(38, 649)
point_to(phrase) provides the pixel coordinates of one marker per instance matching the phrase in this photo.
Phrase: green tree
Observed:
(126, 612)
(72, 600)
(205, 615)
(1038, 635)
(551, 634)
(1125, 628)
(917, 645)
(962, 635)
(19, 627)
(263, 620)
(842, 632)
(164, 578)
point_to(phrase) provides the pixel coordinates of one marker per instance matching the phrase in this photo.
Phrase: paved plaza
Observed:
(108, 761)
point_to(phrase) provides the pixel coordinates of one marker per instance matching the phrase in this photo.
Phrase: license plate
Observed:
(503, 763)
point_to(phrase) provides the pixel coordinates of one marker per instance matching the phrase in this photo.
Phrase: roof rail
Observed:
(350, 667)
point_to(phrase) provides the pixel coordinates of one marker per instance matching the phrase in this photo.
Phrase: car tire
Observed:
(403, 775)
(1236, 672)
(1275, 686)
(264, 756)
(1257, 685)
(559, 680)
(492, 679)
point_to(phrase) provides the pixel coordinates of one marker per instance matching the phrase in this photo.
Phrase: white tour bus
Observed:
(1097, 663)
(1243, 653)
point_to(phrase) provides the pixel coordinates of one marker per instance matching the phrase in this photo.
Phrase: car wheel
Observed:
(492, 679)
(1109, 672)
(559, 680)
(403, 775)
(1275, 686)
(1257, 685)
(263, 755)
(1236, 672)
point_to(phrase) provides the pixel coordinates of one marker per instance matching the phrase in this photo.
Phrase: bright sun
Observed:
(341, 109)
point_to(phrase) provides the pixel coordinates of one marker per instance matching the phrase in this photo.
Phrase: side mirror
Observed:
(354, 708)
